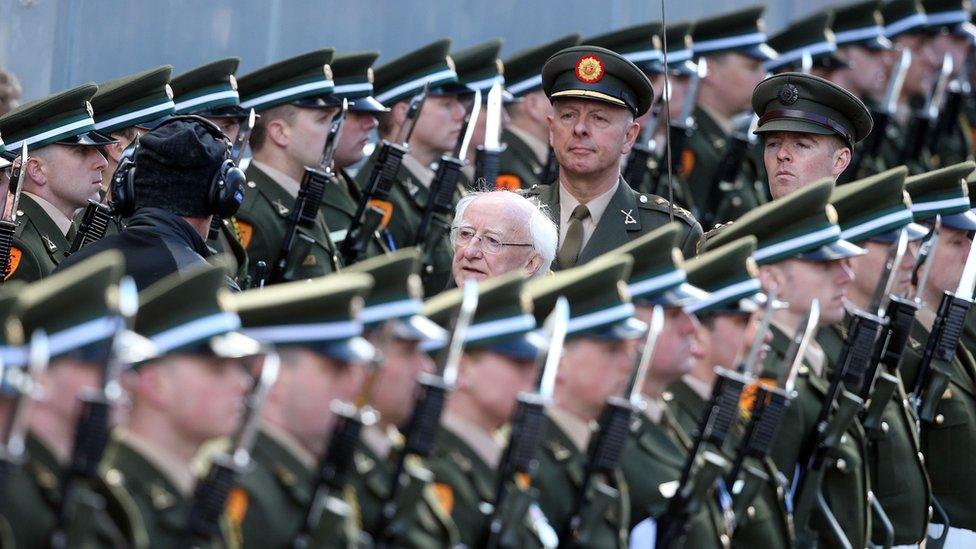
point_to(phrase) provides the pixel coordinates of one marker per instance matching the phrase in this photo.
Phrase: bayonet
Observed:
(752, 357)
(555, 334)
(332, 141)
(246, 435)
(806, 62)
(925, 253)
(691, 96)
(647, 353)
(24, 380)
(937, 96)
(896, 82)
(452, 357)
(805, 331)
(243, 135)
(18, 175)
(467, 129)
(413, 113)
(486, 158)
(882, 292)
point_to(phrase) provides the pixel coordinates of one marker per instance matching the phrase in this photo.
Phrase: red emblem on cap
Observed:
(589, 69)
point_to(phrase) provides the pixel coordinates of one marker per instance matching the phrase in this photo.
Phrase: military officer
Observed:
(126, 107)
(393, 324)
(808, 127)
(809, 38)
(941, 192)
(596, 96)
(800, 251)
(498, 363)
(596, 364)
(436, 131)
(296, 106)
(528, 151)
(658, 447)
(210, 91)
(734, 46)
(353, 75)
(872, 212)
(79, 341)
(193, 391)
(728, 325)
(313, 326)
(60, 176)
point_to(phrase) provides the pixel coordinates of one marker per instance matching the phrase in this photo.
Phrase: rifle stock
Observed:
(377, 187)
(93, 226)
(303, 214)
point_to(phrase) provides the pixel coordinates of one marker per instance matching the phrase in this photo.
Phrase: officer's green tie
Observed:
(570, 250)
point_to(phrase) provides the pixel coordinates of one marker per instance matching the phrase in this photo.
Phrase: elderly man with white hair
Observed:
(497, 232)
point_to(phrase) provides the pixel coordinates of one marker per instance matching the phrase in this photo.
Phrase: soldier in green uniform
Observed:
(435, 132)
(60, 177)
(498, 363)
(13, 351)
(809, 38)
(313, 325)
(296, 106)
(800, 251)
(872, 213)
(906, 27)
(393, 324)
(84, 297)
(734, 46)
(658, 447)
(210, 91)
(809, 127)
(192, 392)
(596, 96)
(953, 477)
(596, 364)
(526, 138)
(353, 75)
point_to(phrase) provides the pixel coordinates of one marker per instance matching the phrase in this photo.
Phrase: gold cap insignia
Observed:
(831, 214)
(788, 94)
(169, 91)
(88, 107)
(328, 71)
(500, 67)
(369, 74)
(233, 82)
(450, 63)
(589, 69)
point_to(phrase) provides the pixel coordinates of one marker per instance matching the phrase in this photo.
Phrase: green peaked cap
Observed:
(729, 275)
(478, 66)
(639, 44)
(810, 35)
(599, 303)
(943, 192)
(191, 312)
(405, 76)
(523, 69)
(657, 275)
(860, 24)
(873, 206)
(320, 314)
(800, 225)
(76, 308)
(64, 117)
(742, 31)
(133, 100)
(599, 74)
(209, 90)
(397, 295)
(503, 320)
(353, 74)
(903, 17)
(304, 81)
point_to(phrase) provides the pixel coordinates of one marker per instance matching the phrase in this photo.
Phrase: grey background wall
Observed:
(54, 44)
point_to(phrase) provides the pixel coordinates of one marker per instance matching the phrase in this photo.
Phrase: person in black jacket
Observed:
(175, 168)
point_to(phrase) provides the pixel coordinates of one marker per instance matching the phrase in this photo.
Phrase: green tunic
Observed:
(338, 208)
(262, 222)
(33, 496)
(39, 245)
(519, 166)
(628, 216)
(949, 441)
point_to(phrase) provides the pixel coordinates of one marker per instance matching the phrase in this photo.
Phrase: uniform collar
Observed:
(576, 429)
(170, 466)
(725, 124)
(598, 205)
(814, 356)
(484, 444)
(536, 145)
(286, 181)
(654, 409)
(290, 444)
(423, 174)
(377, 440)
(62, 222)
(699, 387)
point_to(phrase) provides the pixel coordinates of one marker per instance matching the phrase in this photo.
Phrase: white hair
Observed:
(540, 227)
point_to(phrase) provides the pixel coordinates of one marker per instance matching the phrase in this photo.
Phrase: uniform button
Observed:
(885, 427)
(643, 199)
(779, 491)
(486, 508)
(751, 512)
(725, 540)
(939, 419)
(841, 465)
(736, 201)
(930, 512)
(802, 370)
(252, 184)
(843, 439)
(921, 458)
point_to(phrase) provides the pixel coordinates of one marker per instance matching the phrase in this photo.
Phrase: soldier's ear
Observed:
(278, 132)
(399, 113)
(37, 169)
(842, 159)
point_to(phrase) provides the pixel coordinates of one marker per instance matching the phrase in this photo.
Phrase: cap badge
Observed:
(788, 94)
(589, 69)
(328, 71)
(232, 81)
(88, 107)
(629, 217)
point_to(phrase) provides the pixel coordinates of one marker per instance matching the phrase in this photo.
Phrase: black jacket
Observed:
(155, 243)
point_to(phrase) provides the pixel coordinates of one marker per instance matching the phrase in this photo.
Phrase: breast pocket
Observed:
(947, 444)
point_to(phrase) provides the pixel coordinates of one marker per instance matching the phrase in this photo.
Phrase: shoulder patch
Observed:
(560, 452)
(445, 496)
(15, 256)
(387, 207)
(508, 182)
(236, 507)
(244, 232)
(687, 161)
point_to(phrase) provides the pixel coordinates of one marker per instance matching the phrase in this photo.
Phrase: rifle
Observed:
(23, 382)
(440, 200)
(93, 426)
(527, 430)
(421, 430)
(8, 223)
(957, 91)
(368, 218)
(487, 158)
(643, 149)
(870, 149)
(727, 172)
(922, 120)
(681, 130)
(940, 349)
(605, 448)
(210, 494)
(304, 212)
(236, 153)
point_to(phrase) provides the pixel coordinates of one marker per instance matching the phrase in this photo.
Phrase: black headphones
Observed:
(226, 192)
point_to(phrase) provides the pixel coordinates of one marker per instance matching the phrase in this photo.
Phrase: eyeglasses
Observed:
(462, 236)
